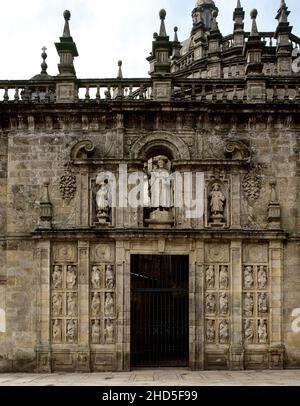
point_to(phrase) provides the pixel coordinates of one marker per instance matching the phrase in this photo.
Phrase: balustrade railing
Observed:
(229, 90)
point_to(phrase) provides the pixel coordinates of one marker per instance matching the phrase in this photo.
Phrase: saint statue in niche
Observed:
(110, 277)
(96, 304)
(57, 277)
(249, 331)
(249, 305)
(248, 278)
(56, 331)
(224, 332)
(56, 304)
(71, 304)
(161, 192)
(71, 277)
(71, 331)
(224, 277)
(96, 331)
(210, 331)
(262, 332)
(217, 203)
(210, 277)
(109, 304)
(109, 332)
(96, 277)
(262, 277)
(103, 201)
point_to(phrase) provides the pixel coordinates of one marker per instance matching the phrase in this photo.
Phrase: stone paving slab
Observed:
(159, 377)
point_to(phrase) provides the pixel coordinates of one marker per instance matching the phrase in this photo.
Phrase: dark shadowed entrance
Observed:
(159, 311)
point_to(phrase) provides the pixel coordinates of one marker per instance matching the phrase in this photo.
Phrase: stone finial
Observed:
(214, 24)
(254, 30)
(175, 34)
(274, 208)
(44, 65)
(67, 17)
(239, 4)
(45, 218)
(162, 16)
(120, 73)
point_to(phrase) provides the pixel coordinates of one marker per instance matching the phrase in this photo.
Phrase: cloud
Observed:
(105, 31)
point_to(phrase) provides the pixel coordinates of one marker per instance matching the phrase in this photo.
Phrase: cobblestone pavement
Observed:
(164, 377)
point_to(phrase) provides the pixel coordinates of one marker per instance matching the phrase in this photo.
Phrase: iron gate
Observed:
(159, 311)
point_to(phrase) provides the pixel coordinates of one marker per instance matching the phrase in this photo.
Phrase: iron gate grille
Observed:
(159, 311)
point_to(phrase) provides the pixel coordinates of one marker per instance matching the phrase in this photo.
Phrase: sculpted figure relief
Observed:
(56, 304)
(96, 277)
(210, 331)
(262, 277)
(224, 332)
(71, 331)
(103, 201)
(249, 331)
(96, 304)
(110, 277)
(109, 332)
(249, 305)
(96, 332)
(109, 305)
(248, 278)
(262, 332)
(262, 303)
(71, 277)
(217, 204)
(224, 277)
(71, 304)
(57, 277)
(211, 303)
(210, 277)
(56, 331)
(224, 303)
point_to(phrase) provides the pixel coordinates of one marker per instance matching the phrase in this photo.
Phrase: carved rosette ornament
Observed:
(68, 185)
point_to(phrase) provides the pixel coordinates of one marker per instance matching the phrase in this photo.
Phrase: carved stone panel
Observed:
(256, 304)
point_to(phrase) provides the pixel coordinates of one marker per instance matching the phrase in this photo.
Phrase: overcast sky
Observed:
(106, 31)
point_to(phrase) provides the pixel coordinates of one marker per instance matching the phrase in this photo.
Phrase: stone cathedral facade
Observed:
(86, 285)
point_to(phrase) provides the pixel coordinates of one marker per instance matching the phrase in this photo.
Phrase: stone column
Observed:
(123, 306)
(236, 201)
(197, 285)
(83, 359)
(276, 352)
(82, 204)
(43, 267)
(236, 348)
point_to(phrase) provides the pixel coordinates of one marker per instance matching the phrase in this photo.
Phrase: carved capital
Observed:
(237, 150)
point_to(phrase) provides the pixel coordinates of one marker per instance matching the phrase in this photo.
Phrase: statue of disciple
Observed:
(224, 332)
(71, 304)
(262, 332)
(71, 331)
(57, 277)
(56, 331)
(110, 277)
(161, 189)
(224, 305)
(56, 304)
(103, 201)
(248, 278)
(262, 277)
(96, 277)
(262, 303)
(217, 200)
(96, 304)
(71, 277)
(249, 305)
(224, 277)
(96, 331)
(249, 332)
(109, 305)
(210, 331)
(210, 303)
(109, 332)
(210, 277)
